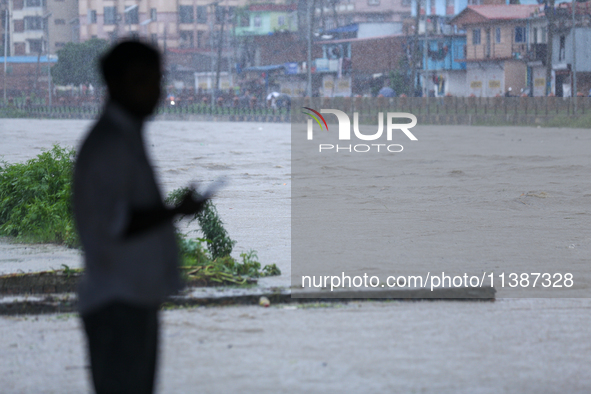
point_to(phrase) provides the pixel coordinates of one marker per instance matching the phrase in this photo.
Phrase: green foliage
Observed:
(11, 112)
(35, 206)
(215, 264)
(35, 198)
(220, 244)
(78, 63)
(399, 79)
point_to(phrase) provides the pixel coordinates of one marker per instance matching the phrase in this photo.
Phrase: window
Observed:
(186, 39)
(20, 48)
(544, 33)
(220, 12)
(201, 14)
(186, 13)
(154, 39)
(33, 3)
(91, 16)
(281, 20)
(476, 37)
(35, 46)
(110, 15)
(200, 39)
(519, 34)
(33, 23)
(498, 35)
(258, 21)
(60, 44)
(60, 21)
(132, 16)
(19, 25)
(562, 49)
(373, 2)
(153, 14)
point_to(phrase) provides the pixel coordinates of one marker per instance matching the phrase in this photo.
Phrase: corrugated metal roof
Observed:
(357, 39)
(505, 12)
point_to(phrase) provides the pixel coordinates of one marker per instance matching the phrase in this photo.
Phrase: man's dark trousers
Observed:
(123, 343)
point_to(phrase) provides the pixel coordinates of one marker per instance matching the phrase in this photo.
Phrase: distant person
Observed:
(509, 93)
(126, 230)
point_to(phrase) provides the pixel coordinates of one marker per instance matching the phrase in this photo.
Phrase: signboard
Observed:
(291, 68)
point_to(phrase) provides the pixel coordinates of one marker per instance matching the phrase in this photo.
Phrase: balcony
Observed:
(537, 52)
(519, 51)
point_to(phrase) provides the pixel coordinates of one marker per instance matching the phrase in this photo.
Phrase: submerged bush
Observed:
(219, 247)
(36, 206)
(35, 198)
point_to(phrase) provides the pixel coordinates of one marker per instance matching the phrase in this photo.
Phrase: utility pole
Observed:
(211, 28)
(415, 51)
(309, 64)
(46, 18)
(574, 67)
(220, 44)
(6, 13)
(550, 16)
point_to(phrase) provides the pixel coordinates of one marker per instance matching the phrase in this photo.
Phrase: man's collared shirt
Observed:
(112, 178)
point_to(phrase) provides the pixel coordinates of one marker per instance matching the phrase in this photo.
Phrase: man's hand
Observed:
(189, 205)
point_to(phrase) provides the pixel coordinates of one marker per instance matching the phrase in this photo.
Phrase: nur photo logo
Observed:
(344, 130)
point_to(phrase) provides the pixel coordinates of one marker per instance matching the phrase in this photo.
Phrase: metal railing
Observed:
(502, 106)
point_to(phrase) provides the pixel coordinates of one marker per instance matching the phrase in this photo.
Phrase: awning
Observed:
(265, 68)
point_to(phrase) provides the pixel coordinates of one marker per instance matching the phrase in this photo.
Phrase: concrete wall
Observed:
(379, 29)
(455, 83)
(485, 79)
(539, 81)
(583, 42)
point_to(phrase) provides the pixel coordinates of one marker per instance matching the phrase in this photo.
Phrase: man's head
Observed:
(132, 72)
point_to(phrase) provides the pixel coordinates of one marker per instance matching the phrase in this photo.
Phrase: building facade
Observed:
(497, 48)
(36, 26)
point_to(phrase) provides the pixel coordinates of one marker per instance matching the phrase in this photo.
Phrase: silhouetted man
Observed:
(125, 229)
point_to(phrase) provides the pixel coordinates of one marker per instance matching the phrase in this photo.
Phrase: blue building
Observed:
(443, 65)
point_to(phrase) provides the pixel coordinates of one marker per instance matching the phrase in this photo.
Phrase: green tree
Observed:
(399, 78)
(78, 63)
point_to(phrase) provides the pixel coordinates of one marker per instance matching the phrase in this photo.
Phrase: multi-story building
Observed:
(572, 56)
(262, 19)
(170, 24)
(497, 48)
(443, 65)
(38, 25)
(188, 31)
(37, 29)
(332, 14)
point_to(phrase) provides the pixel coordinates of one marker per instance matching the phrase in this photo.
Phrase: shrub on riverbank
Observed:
(35, 206)
(35, 198)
